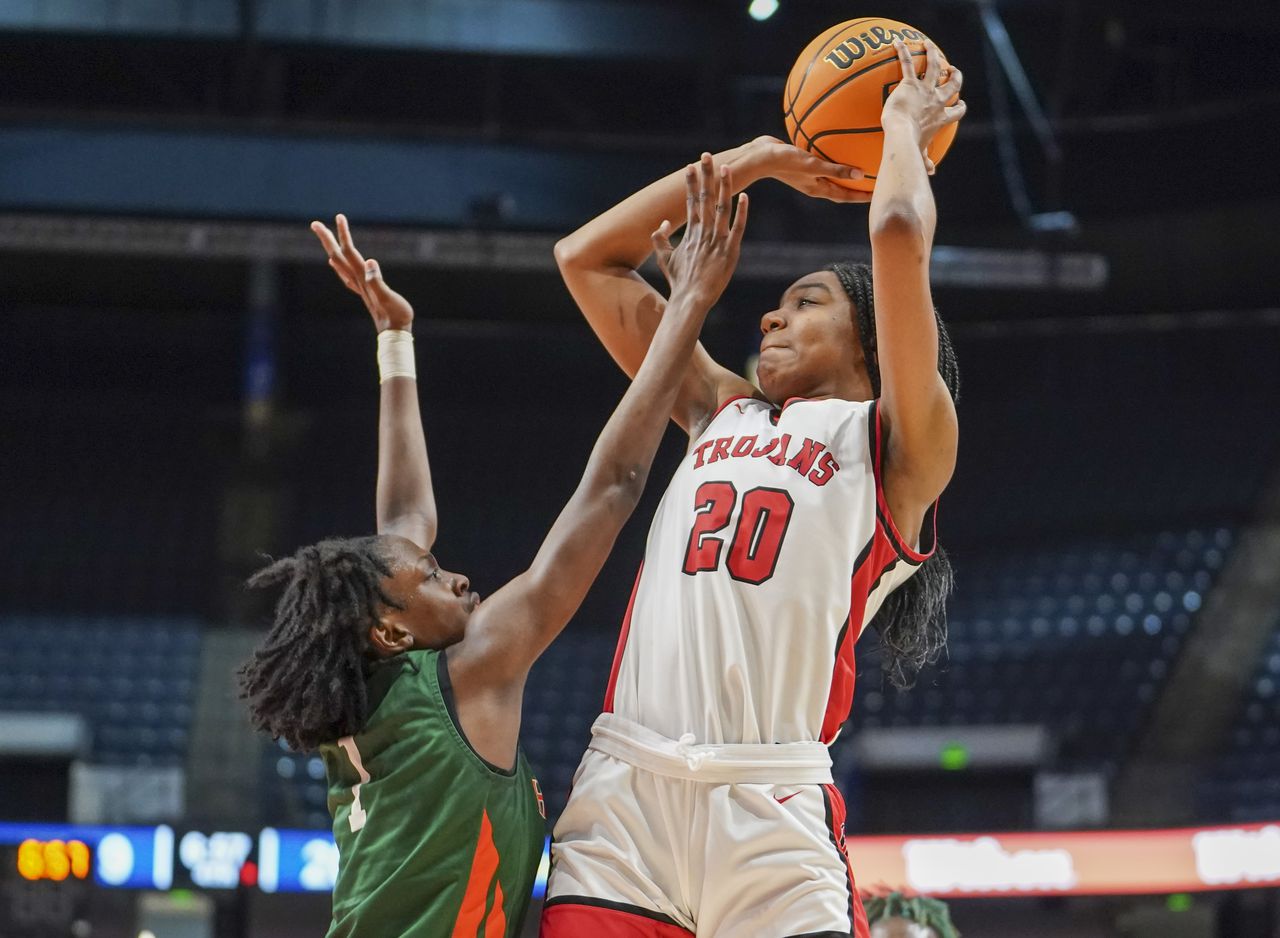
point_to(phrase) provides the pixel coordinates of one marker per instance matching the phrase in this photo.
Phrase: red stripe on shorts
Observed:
(835, 817)
(580, 917)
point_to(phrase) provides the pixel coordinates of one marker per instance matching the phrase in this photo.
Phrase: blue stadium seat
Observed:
(137, 700)
(1244, 783)
(1072, 637)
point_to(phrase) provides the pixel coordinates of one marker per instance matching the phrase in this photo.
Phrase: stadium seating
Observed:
(1244, 784)
(1079, 638)
(293, 787)
(133, 679)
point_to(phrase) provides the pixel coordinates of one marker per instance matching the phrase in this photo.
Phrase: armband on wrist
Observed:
(395, 355)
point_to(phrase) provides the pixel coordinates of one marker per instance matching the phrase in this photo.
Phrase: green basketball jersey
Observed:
(433, 840)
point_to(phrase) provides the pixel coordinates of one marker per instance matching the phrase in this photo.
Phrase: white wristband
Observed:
(395, 355)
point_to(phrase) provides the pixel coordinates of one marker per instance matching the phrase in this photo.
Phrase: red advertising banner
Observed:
(1071, 863)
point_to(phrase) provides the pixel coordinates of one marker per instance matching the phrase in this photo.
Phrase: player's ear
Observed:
(388, 637)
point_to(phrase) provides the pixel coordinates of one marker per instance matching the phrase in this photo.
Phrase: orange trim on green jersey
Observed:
(496, 924)
(484, 871)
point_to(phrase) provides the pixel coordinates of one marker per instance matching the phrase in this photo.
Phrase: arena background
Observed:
(186, 388)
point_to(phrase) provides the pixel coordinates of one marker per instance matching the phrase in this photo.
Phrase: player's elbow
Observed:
(899, 222)
(578, 253)
(628, 485)
(568, 253)
(574, 252)
(618, 487)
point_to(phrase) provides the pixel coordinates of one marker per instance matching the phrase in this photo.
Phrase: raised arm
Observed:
(915, 406)
(406, 504)
(599, 263)
(514, 625)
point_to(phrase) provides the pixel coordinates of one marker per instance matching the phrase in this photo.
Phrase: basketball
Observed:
(837, 89)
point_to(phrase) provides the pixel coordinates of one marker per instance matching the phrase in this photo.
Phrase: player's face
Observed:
(809, 345)
(436, 603)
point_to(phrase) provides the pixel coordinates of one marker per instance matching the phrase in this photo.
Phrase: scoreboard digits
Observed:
(160, 858)
(53, 859)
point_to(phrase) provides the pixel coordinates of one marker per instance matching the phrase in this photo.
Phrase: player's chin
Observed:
(459, 631)
(773, 382)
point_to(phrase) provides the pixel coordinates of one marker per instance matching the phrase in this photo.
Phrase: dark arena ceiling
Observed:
(1162, 111)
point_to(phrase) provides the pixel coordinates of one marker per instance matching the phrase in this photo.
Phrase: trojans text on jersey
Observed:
(810, 459)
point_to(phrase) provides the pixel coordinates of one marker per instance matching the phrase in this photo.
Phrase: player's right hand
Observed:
(804, 172)
(363, 277)
(700, 268)
(924, 103)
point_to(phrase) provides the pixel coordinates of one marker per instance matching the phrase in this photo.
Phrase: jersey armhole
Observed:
(446, 692)
(884, 520)
(694, 440)
(729, 400)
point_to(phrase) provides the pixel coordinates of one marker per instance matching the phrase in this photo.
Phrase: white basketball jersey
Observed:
(771, 550)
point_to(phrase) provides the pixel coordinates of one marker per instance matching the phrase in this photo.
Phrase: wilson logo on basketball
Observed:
(877, 37)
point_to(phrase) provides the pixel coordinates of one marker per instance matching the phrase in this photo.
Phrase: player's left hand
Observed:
(769, 157)
(922, 101)
(700, 268)
(388, 308)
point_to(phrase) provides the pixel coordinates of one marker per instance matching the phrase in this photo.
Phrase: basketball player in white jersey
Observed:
(704, 804)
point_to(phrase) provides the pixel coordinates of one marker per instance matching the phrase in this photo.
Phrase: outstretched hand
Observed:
(700, 267)
(930, 101)
(362, 277)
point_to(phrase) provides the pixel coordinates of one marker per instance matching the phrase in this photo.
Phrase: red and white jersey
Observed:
(770, 552)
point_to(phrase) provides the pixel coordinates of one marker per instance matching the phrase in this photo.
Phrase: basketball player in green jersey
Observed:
(405, 681)
(898, 916)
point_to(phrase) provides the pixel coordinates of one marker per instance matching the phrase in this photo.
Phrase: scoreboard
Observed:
(161, 858)
(125, 857)
(54, 860)
(45, 883)
(61, 860)
(273, 861)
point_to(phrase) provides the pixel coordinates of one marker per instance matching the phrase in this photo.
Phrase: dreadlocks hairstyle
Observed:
(912, 621)
(930, 913)
(306, 682)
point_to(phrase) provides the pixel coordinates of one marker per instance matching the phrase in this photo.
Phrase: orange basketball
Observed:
(838, 87)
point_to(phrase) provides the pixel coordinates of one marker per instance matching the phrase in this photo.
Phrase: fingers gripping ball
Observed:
(837, 89)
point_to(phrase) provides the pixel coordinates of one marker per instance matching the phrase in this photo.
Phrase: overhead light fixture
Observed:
(761, 10)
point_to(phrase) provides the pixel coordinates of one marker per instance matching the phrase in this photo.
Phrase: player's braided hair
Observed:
(912, 621)
(306, 682)
(922, 910)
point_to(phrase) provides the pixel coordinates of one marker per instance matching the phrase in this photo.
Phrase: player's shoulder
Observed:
(409, 680)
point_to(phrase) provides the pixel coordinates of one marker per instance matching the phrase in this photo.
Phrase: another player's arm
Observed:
(600, 261)
(406, 504)
(513, 626)
(915, 407)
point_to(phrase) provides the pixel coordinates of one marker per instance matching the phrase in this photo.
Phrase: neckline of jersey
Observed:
(776, 412)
